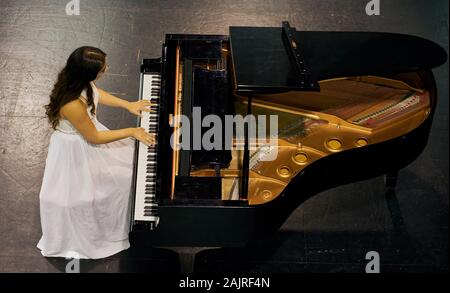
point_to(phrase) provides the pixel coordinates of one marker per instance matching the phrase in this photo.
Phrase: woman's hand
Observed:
(137, 107)
(143, 136)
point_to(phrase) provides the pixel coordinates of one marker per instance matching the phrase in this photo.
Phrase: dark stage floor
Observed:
(329, 233)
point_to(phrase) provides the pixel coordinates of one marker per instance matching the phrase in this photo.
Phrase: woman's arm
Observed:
(76, 113)
(106, 98)
(133, 107)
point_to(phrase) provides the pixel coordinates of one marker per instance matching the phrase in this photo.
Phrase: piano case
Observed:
(263, 63)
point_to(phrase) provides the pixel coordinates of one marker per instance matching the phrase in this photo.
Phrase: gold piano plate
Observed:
(328, 124)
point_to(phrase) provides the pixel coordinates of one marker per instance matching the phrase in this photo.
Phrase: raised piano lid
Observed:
(262, 64)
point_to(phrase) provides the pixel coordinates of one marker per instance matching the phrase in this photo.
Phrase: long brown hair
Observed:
(82, 67)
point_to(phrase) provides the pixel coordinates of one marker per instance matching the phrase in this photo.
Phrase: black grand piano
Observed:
(349, 106)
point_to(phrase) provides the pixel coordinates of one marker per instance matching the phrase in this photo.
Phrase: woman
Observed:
(86, 186)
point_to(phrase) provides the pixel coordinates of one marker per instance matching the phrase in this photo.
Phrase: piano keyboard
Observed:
(146, 204)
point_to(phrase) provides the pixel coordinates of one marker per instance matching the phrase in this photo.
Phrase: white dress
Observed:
(84, 198)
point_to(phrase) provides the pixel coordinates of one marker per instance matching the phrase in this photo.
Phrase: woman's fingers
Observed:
(145, 103)
(137, 108)
(147, 110)
(147, 138)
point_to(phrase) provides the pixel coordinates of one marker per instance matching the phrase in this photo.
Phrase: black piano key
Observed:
(150, 207)
(150, 215)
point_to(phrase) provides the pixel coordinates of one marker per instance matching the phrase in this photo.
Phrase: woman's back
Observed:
(65, 126)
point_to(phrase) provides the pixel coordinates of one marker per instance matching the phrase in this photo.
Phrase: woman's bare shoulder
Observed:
(76, 106)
